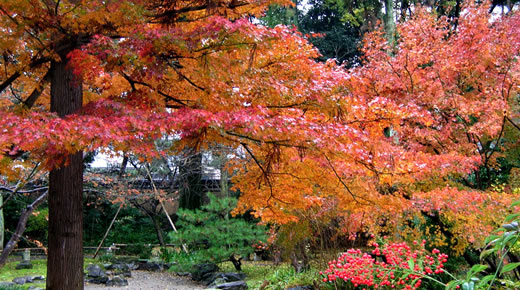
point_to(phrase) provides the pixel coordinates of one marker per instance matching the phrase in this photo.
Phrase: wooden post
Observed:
(108, 230)
(162, 205)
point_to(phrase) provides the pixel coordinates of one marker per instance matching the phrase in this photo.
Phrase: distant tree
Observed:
(212, 235)
(323, 25)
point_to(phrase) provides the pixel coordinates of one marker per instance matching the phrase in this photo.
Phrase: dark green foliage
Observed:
(212, 235)
(339, 39)
(37, 225)
(131, 227)
(36, 228)
(280, 15)
(141, 250)
(326, 28)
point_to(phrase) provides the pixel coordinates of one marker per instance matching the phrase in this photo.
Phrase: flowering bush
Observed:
(260, 246)
(390, 265)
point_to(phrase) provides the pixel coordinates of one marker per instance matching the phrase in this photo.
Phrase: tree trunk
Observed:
(65, 260)
(190, 187)
(158, 230)
(390, 28)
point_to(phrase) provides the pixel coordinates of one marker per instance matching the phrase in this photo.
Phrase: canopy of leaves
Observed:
(312, 131)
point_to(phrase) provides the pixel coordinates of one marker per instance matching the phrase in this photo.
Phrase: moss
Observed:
(277, 276)
(9, 272)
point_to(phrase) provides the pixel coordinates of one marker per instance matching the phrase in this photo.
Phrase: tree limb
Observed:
(15, 75)
(20, 228)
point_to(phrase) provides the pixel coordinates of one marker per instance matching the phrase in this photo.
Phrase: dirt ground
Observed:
(142, 280)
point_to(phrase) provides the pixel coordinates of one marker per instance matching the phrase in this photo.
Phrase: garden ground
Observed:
(153, 281)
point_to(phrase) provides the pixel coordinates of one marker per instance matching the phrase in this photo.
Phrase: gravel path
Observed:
(144, 280)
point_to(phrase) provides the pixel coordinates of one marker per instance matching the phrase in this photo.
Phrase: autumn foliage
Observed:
(384, 141)
(403, 128)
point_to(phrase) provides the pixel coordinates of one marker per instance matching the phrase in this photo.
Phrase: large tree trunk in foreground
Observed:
(65, 261)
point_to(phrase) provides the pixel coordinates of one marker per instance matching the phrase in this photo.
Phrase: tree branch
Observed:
(264, 173)
(343, 183)
(33, 97)
(15, 75)
(133, 82)
(20, 228)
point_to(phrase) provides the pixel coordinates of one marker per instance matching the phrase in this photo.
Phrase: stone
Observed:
(117, 281)
(150, 266)
(6, 284)
(34, 288)
(132, 266)
(236, 285)
(20, 280)
(127, 274)
(98, 280)
(307, 287)
(202, 270)
(38, 278)
(120, 269)
(220, 278)
(184, 274)
(95, 271)
(24, 265)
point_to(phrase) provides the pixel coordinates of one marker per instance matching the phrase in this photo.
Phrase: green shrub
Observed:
(285, 277)
(37, 225)
(212, 236)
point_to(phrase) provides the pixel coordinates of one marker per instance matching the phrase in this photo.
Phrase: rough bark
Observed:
(190, 186)
(20, 228)
(65, 261)
(158, 230)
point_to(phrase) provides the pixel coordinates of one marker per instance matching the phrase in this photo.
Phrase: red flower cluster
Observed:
(393, 265)
(260, 246)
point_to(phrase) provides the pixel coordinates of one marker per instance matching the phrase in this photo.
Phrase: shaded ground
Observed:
(142, 280)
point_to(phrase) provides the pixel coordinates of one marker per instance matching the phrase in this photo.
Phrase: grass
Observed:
(9, 272)
(273, 277)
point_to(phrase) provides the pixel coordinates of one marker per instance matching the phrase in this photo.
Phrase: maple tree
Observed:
(125, 73)
(442, 96)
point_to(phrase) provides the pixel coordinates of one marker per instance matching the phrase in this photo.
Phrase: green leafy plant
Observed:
(286, 276)
(211, 235)
(166, 254)
(499, 245)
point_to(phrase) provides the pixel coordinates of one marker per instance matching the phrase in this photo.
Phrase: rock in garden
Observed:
(220, 278)
(150, 266)
(117, 281)
(120, 269)
(95, 271)
(202, 270)
(6, 285)
(20, 280)
(308, 287)
(38, 278)
(34, 288)
(31, 279)
(98, 280)
(236, 285)
(24, 265)
(184, 274)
